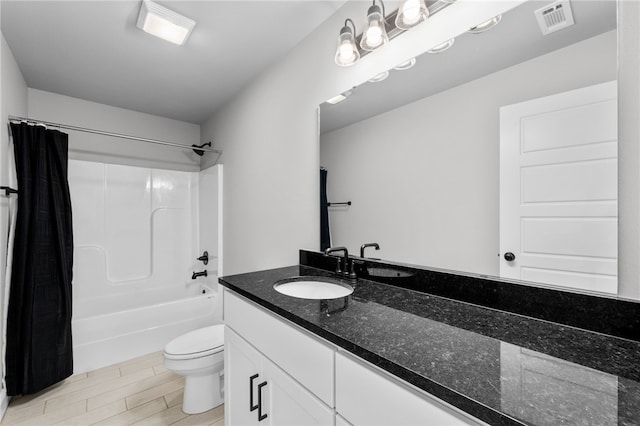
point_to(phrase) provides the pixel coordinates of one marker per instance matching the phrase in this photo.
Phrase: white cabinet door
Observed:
(289, 404)
(259, 393)
(242, 369)
(274, 338)
(366, 397)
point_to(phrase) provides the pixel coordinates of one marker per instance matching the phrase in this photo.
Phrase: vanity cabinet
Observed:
(274, 373)
(260, 393)
(278, 374)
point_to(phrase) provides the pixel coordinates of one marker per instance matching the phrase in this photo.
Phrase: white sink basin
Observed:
(313, 288)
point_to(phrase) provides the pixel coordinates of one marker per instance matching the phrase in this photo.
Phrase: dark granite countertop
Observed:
(500, 367)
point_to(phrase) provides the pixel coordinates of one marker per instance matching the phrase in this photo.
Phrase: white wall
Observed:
(13, 92)
(56, 108)
(269, 135)
(424, 178)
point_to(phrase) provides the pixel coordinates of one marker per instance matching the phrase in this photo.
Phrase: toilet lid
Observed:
(197, 341)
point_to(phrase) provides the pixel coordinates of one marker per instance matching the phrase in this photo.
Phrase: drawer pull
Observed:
(251, 406)
(261, 416)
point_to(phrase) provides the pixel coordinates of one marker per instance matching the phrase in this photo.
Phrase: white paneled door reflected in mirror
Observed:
(419, 154)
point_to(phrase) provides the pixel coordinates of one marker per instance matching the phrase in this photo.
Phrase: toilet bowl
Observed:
(198, 356)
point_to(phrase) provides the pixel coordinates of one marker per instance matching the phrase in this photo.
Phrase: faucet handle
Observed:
(204, 258)
(352, 270)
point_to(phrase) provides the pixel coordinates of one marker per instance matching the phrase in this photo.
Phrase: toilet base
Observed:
(201, 393)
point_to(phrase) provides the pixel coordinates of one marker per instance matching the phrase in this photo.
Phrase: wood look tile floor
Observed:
(136, 392)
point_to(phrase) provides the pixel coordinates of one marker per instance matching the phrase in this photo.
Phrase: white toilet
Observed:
(198, 356)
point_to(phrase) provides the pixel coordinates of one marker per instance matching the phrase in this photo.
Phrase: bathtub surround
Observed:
(39, 345)
(139, 232)
(503, 368)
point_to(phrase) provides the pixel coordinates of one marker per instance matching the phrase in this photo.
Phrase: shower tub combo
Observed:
(138, 233)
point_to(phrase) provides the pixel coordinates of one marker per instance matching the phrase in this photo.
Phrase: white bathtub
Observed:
(114, 329)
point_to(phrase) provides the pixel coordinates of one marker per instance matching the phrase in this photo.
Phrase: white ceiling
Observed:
(93, 50)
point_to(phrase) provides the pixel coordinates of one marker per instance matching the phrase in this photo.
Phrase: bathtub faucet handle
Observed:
(199, 274)
(204, 258)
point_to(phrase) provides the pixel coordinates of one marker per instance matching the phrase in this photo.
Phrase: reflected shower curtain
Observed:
(39, 347)
(325, 237)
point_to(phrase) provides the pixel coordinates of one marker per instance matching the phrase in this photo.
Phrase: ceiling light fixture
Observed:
(442, 46)
(164, 23)
(485, 26)
(375, 33)
(347, 52)
(411, 13)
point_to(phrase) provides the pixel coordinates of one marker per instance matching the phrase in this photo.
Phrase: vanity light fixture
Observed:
(405, 65)
(442, 46)
(164, 23)
(375, 33)
(485, 26)
(380, 28)
(347, 52)
(411, 13)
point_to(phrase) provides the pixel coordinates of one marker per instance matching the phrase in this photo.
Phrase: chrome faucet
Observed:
(343, 265)
(364, 246)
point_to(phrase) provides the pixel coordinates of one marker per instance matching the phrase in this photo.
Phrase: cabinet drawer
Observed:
(366, 397)
(304, 358)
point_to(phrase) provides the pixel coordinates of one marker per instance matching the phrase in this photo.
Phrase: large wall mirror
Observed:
(418, 154)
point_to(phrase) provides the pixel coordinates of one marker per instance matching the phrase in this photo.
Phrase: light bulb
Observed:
(374, 35)
(346, 50)
(411, 11)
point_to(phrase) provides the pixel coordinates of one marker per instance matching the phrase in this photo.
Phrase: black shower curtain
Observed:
(39, 349)
(325, 239)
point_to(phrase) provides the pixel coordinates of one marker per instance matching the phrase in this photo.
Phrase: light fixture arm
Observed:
(349, 21)
(384, 12)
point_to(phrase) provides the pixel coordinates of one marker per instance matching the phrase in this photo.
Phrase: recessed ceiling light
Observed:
(164, 23)
(405, 65)
(442, 46)
(485, 26)
(377, 78)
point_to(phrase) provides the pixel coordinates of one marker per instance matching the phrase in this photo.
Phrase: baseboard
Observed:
(4, 403)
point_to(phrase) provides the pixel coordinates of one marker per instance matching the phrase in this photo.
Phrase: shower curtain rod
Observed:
(116, 135)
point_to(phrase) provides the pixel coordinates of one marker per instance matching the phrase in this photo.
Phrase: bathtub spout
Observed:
(199, 274)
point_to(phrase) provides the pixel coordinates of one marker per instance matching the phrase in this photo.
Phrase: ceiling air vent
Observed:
(554, 17)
